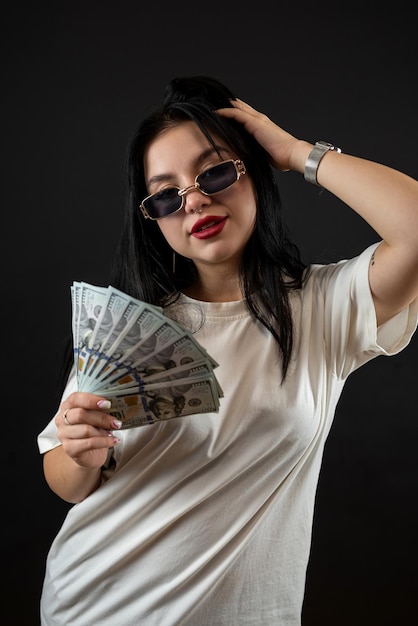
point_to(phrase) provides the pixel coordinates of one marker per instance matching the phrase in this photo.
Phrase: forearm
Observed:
(385, 198)
(69, 481)
(388, 201)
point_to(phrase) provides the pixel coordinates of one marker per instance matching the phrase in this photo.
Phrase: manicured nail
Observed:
(116, 424)
(116, 440)
(104, 404)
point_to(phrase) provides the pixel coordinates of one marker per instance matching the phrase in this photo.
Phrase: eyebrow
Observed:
(159, 178)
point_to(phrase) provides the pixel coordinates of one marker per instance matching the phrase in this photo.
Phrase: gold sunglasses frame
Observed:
(239, 168)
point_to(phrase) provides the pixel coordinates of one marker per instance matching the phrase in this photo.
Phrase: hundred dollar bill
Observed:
(154, 405)
(75, 302)
(156, 344)
(103, 357)
(178, 351)
(118, 309)
(131, 383)
(138, 337)
(132, 352)
(91, 301)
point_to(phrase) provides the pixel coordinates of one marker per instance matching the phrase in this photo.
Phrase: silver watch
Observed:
(314, 159)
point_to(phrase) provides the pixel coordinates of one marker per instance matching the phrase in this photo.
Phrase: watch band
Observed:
(314, 159)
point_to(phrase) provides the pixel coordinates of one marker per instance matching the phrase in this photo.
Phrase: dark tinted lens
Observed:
(163, 203)
(218, 178)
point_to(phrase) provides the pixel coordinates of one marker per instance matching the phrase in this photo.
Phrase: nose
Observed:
(193, 202)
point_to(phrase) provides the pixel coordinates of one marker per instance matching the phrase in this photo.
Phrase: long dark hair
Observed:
(271, 265)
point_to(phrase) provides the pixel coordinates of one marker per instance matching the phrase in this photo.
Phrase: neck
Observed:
(215, 285)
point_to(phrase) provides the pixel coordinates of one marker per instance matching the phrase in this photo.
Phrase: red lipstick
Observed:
(209, 226)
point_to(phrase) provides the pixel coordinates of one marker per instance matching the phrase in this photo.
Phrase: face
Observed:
(210, 230)
(164, 409)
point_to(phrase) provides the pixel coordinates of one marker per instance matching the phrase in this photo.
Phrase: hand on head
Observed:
(276, 141)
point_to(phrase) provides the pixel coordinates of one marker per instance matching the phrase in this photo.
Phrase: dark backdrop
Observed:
(77, 77)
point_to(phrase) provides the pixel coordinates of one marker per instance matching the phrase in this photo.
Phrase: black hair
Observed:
(271, 265)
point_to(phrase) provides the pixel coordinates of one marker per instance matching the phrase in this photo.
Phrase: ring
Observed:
(65, 418)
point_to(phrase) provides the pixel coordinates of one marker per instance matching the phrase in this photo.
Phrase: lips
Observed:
(209, 226)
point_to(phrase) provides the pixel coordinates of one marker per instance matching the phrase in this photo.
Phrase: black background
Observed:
(77, 77)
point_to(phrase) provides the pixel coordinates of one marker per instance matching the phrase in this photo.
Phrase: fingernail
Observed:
(116, 440)
(104, 404)
(116, 424)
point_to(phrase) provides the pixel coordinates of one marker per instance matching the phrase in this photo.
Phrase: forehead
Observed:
(164, 403)
(177, 145)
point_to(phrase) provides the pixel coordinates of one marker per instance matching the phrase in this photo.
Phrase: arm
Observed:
(73, 469)
(385, 198)
(68, 480)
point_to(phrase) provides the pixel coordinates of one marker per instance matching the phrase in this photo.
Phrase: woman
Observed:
(206, 519)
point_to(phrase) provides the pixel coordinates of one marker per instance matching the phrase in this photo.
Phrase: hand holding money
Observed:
(149, 366)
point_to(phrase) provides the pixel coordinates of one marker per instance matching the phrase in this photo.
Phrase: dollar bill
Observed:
(157, 403)
(90, 300)
(116, 313)
(132, 383)
(147, 333)
(146, 363)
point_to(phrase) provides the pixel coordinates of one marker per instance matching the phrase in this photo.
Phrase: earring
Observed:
(174, 262)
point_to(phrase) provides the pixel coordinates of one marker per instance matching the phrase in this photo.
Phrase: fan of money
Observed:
(149, 366)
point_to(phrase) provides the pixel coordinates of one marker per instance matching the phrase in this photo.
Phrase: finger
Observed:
(87, 451)
(84, 408)
(65, 418)
(89, 437)
(240, 104)
(76, 416)
(82, 439)
(87, 400)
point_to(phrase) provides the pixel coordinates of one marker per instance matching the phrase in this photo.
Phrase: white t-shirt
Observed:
(206, 520)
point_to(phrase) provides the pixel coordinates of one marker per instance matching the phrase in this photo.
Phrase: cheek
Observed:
(169, 231)
(249, 200)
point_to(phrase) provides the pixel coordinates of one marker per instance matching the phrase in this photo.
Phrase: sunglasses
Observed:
(172, 199)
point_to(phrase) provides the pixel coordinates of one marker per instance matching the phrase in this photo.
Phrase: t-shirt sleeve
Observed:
(341, 294)
(47, 438)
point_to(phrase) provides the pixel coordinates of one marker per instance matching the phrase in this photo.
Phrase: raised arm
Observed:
(385, 198)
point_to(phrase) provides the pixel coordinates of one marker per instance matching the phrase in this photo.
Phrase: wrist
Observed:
(299, 155)
(314, 159)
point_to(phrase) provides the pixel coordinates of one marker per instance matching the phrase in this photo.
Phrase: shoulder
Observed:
(322, 280)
